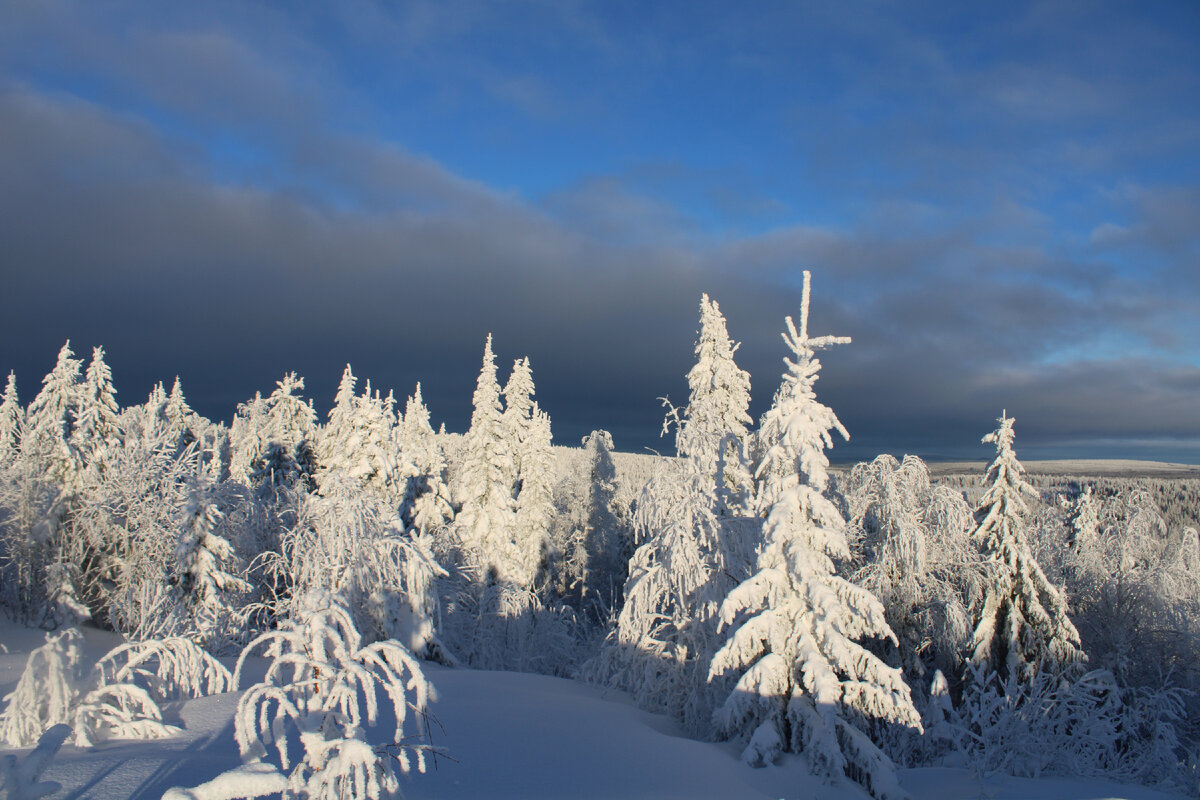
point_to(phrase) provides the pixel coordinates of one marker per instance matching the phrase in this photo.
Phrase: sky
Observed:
(999, 204)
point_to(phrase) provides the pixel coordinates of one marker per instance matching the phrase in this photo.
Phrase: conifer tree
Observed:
(179, 417)
(96, 427)
(156, 409)
(804, 678)
(12, 418)
(485, 520)
(607, 559)
(535, 503)
(359, 441)
(427, 503)
(249, 441)
(291, 434)
(336, 435)
(518, 414)
(1023, 624)
(528, 430)
(205, 563)
(49, 420)
(714, 430)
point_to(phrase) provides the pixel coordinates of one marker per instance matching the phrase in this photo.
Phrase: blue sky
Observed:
(1000, 202)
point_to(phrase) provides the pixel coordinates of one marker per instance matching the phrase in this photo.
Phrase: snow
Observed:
(510, 735)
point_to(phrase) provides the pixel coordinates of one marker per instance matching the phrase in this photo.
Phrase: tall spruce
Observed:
(805, 680)
(12, 418)
(485, 489)
(50, 418)
(533, 480)
(427, 504)
(1023, 624)
(96, 426)
(714, 431)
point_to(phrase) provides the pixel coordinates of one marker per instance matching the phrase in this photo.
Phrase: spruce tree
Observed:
(485, 520)
(205, 563)
(518, 413)
(49, 421)
(12, 418)
(528, 430)
(796, 624)
(535, 503)
(96, 427)
(179, 417)
(1023, 624)
(427, 503)
(604, 543)
(291, 434)
(714, 430)
(335, 434)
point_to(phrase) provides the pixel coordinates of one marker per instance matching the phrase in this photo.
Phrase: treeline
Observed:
(863, 619)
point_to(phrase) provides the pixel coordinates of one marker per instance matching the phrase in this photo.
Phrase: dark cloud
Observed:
(135, 219)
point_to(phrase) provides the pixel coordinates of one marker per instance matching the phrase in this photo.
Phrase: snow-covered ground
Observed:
(511, 735)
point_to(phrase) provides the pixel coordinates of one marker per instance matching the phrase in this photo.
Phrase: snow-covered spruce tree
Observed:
(714, 429)
(291, 433)
(427, 504)
(533, 481)
(205, 565)
(518, 413)
(535, 503)
(49, 420)
(12, 419)
(359, 442)
(1022, 625)
(606, 550)
(379, 465)
(486, 518)
(805, 680)
(318, 701)
(181, 420)
(96, 423)
(338, 430)
(249, 440)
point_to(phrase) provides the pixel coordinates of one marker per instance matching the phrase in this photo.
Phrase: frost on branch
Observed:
(303, 729)
(796, 625)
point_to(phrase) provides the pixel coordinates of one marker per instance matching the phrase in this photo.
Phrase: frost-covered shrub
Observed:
(1068, 724)
(303, 729)
(666, 632)
(913, 549)
(496, 626)
(47, 690)
(352, 542)
(118, 698)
